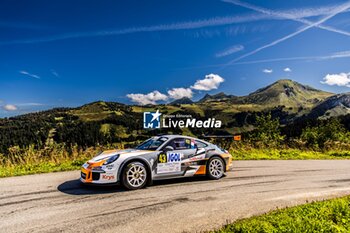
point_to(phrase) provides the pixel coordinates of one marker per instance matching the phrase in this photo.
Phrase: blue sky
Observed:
(68, 53)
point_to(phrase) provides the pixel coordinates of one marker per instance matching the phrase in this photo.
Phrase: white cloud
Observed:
(210, 82)
(179, 93)
(150, 98)
(341, 79)
(10, 107)
(229, 51)
(54, 73)
(287, 69)
(29, 74)
(267, 71)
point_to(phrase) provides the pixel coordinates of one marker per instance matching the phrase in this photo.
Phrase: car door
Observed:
(169, 162)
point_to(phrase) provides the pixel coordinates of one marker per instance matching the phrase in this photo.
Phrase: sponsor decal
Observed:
(199, 157)
(169, 162)
(152, 120)
(108, 177)
(174, 157)
(193, 159)
(109, 166)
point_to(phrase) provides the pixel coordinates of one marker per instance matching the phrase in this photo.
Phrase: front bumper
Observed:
(230, 166)
(90, 176)
(228, 161)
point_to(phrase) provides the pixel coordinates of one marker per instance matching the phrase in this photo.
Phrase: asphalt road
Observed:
(57, 202)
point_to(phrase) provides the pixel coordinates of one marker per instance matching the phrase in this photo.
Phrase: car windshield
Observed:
(152, 143)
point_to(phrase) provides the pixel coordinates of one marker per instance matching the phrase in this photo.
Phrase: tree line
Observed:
(58, 125)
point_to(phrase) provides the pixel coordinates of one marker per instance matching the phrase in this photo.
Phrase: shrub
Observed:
(317, 136)
(267, 130)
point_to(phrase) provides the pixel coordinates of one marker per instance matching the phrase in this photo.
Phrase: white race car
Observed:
(161, 157)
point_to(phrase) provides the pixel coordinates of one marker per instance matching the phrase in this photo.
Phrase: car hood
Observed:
(126, 152)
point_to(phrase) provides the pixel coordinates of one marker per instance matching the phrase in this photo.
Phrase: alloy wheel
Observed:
(216, 168)
(136, 175)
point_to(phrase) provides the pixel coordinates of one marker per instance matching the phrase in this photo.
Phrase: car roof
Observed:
(170, 136)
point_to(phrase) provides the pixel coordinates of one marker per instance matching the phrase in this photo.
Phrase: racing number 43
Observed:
(163, 158)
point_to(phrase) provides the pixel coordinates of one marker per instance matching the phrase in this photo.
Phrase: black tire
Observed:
(215, 168)
(130, 172)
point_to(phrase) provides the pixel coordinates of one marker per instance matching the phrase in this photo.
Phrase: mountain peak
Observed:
(288, 93)
(216, 97)
(220, 95)
(285, 81)
(184, 100)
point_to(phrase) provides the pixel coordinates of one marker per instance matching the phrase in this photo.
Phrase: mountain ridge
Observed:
(293, 97)
(288, 101)
(286, 92)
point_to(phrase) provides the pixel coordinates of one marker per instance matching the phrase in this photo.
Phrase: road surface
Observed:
(57, 202)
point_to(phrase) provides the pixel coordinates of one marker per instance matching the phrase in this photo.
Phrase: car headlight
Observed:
(111, 159)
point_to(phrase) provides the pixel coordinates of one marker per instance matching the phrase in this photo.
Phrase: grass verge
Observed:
(43, 167)
(56, 158)
(51, 159)
(325, 216)
(286, 154)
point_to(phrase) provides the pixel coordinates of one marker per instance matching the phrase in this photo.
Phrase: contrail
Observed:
(342, 54)
(186, 25)
(29, 74)
(284, 15)
(211, 22)
(336, 11)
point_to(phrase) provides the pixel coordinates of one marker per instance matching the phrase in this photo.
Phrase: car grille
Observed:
(95, 176)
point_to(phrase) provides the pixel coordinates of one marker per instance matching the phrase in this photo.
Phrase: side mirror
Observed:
(168, 148)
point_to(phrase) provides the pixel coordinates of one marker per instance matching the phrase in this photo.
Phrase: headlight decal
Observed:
(111, 159)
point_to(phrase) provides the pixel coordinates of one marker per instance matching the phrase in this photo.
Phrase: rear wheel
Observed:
(215, 168)
(134, 176)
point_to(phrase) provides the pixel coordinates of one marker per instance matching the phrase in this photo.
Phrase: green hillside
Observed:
(101, 122)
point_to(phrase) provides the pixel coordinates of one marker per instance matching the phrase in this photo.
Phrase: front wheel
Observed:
(134, 176)
(215, 168)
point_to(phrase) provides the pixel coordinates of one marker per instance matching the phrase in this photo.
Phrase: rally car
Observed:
(161, 157)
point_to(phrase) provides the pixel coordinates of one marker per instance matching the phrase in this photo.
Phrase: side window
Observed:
(201, 144)
(180, 143)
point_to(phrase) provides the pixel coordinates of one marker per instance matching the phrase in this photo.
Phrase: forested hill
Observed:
(107, 122)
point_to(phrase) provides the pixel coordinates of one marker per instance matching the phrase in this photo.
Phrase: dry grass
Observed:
(50, 159)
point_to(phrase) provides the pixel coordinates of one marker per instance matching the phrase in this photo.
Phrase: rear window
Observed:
(201, 144)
